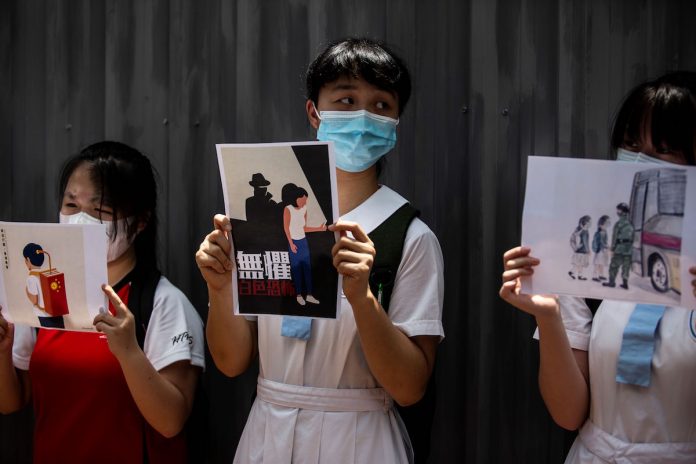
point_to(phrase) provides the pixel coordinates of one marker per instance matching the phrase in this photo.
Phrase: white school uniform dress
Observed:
(628, 423)
(317, 400)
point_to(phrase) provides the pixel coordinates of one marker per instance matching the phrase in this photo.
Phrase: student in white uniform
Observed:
(329, 399)
(581, 374)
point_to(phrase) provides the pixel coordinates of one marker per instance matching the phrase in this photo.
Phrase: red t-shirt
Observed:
(83, 408)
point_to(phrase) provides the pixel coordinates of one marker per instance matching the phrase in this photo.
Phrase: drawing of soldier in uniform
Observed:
(621, 247)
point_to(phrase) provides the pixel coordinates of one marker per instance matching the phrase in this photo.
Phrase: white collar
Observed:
(378, 207)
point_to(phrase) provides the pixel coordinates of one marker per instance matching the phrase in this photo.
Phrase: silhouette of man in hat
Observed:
(260, 207)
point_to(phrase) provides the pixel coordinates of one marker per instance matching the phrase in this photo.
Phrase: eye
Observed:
(630, 144)
(346, 100)
(103, 213)
(665, 150)
(382, 105)
(69, 204)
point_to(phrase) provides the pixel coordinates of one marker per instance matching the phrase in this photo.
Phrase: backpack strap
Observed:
(141, 299)
(388, 239)
(593, 304)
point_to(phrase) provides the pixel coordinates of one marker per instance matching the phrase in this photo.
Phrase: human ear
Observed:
(312, 115)
(142, 223)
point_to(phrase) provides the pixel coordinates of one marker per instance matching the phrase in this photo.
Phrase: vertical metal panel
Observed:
(494, 81)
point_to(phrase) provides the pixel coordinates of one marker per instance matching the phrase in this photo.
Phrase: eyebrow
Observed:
(72, 196)
(344, 86)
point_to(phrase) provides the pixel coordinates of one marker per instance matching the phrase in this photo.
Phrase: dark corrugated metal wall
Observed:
(494, 82)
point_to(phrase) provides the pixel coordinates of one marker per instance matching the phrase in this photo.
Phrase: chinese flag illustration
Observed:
(53, 290)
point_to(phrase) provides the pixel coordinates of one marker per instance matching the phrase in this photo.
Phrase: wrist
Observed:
(129, 355)
(363, 300)
(219, 291)
(548, 316)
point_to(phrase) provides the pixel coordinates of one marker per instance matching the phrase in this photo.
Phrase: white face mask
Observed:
(637, 157)
(116, 247)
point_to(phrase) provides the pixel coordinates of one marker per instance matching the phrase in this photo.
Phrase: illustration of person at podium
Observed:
(45, 289)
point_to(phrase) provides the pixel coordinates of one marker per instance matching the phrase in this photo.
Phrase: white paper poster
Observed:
(51, 274)
(280, 197)
(611, 229)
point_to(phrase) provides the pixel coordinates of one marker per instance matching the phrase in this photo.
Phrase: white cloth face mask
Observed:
(117, 246)
(637, 157)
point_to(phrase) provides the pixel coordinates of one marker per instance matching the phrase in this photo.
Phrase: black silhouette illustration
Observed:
(260, 207)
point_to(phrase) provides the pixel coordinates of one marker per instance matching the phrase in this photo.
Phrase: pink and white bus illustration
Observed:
(657, 212)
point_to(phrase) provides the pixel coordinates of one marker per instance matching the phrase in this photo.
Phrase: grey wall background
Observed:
(494, 81)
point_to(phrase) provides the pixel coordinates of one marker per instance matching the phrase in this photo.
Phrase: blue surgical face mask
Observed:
(637, 157)
(360, 138)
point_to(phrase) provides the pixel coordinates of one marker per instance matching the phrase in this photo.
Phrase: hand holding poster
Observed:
(611, 229)
(48, 278)
(280, 198)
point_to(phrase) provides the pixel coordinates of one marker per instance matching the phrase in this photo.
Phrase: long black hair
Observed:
(290, 193)
(126, 181)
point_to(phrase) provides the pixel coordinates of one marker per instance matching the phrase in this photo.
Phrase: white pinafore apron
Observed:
(605, 447)
(318, 402)
(298, 424)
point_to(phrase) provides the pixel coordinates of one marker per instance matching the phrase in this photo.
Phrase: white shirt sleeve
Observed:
(577, 319)
(175, 330)
(23, 346)
(416, 301)
(33, 285)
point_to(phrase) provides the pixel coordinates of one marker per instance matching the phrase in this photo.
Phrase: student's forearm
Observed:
(231, 339)
(398, 364)
(562, 383)
(163, 405)
(12, 397)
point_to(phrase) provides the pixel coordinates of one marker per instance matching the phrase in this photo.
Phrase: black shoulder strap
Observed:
(388, 239)
(593, 304)
(141, 299)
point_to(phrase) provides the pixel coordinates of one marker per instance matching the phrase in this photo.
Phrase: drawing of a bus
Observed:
(657, 212)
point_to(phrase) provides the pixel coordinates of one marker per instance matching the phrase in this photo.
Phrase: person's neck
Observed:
(354, 188)
(121, 266)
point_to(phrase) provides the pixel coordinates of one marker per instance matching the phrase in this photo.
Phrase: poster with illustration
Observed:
(280, 198)
(51, 274)
(611, 229)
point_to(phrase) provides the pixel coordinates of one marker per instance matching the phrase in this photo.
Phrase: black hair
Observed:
(623, 207)
(290, 193)
(360, 58)
(125, 179)
(583, 220)
(33, 252)
(668, 104)
(603, 220)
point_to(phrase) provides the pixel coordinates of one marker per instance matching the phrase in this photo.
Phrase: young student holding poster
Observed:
(99, 397)
(626, 374)
(329, 399)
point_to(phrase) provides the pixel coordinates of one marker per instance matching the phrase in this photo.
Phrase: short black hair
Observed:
(360, 58)
(127, 183)
(668, 103)
(32, 253)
